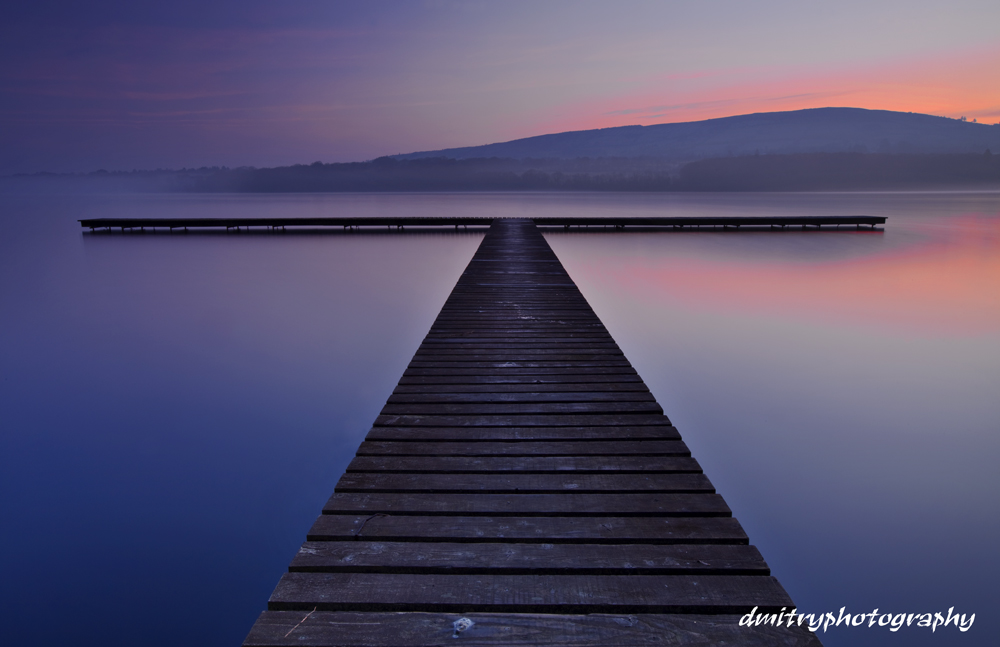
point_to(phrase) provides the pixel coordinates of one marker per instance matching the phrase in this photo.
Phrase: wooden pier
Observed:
(523, 487)
(674, 223)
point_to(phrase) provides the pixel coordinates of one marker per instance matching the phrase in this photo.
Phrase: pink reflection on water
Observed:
(947, 285)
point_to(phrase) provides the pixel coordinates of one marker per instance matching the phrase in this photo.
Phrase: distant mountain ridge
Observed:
(817, 130)
(825, 149)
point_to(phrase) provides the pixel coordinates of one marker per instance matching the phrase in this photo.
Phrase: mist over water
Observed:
(177, 408)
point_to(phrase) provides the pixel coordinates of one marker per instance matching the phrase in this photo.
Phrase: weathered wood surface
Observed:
(373, 629)
(528, 464)
(446, 345)
(494, 433)
(519, 379)
(528, 420)
(518, 408)
(539, 593)
(493, 483)
(636, 530)
(536, 449)
(537, 389)
(521, 467)
(520, 398)
(445, 558)
(512, 369)
(582, 504)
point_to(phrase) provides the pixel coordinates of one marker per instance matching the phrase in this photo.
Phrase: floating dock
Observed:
(281, 224)
(523, 487)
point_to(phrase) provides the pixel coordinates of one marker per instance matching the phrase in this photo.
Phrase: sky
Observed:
(122, 85)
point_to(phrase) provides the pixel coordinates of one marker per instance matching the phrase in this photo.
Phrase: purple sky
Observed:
(123, 85)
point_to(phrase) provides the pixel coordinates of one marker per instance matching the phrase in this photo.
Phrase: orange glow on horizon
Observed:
(947, 86)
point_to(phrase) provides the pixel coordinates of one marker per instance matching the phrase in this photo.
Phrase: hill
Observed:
(819, 130)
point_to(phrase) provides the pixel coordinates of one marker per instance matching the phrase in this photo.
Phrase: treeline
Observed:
(444, 174)
(799, 172)
(793, 172)
(840, 171)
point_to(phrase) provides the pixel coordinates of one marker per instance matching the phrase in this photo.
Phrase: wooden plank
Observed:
(446, 558)
(519, 341)
(539, 352)
(543, 420)
(520, 313)
(536, 325)
(527, 327)
(523, 397)
(556, 321)
(497, 371)
(524, 326)
(514, 298)
(520, 361)
(443, 333)
(532, 464)
(545, 301)
(528, 593)
(551, 342)
(569, 484)
(576, 364)
(527, 389)
(549, 530)
(550, 313)
(495, 356)
(483, 334)
(521, 408)
(473, 434)
(531, 350)
(539, 287)
(508, 378)
(493, 295)
(554, 315)
(537, 449)
(530, 505)
(502, 283)
(372, 629)
(536, 350)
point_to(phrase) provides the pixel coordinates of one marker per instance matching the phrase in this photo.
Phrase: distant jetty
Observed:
(273, 224)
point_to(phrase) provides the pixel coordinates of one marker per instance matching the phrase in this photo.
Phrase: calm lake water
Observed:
(177, 408)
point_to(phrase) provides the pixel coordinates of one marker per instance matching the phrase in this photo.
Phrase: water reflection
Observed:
(839, 391)
(945, 285)
(177, 408)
